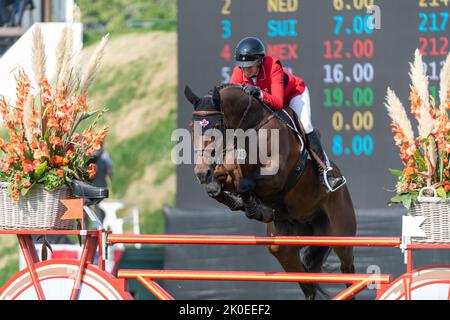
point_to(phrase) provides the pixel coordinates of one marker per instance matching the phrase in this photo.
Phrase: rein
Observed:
(246, 111)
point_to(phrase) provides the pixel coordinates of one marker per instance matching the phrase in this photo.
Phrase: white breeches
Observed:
(301, 105)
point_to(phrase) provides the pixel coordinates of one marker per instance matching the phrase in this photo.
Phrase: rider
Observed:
(266, 80)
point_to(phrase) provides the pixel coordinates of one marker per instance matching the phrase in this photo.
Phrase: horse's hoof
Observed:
(213, 189)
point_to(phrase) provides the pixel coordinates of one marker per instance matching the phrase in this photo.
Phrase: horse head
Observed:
(206, 122)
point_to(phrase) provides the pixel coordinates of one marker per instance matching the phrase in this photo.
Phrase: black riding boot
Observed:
(331, 183)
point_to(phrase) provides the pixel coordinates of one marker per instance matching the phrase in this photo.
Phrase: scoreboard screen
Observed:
(347, 51)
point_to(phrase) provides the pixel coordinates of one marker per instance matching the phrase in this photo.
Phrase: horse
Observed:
(292, 202)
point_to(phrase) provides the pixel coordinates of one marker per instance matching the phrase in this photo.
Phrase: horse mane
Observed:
(223, 86)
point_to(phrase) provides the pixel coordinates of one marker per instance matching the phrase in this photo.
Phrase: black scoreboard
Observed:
(347, 51)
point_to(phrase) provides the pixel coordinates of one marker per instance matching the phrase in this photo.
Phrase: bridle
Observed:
(220, 123)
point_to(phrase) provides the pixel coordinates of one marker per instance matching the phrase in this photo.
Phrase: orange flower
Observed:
(60, 173)
(408, 172)
(46, 92)
(92, 171)
(26, 184)
(56, 161)
(84, 103)
(52, 123)
(55, 141)
(27, 166)
(16, 195)
(447, 188)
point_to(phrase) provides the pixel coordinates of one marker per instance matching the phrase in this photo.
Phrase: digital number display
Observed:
(347, 51)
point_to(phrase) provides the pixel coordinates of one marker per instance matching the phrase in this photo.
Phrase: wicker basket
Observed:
(38, 210)
(437, 213)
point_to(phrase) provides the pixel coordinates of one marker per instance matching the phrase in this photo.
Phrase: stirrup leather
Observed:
(327, 184)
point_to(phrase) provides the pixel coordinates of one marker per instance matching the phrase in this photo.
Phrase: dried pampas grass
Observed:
(419, 83)
(38, 55)
(93, 66)
(444, 90)
(397, 113)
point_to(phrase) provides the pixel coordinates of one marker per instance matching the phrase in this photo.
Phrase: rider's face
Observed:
(251, 71)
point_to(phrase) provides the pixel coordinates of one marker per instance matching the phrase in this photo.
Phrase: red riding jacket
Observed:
(278, 85)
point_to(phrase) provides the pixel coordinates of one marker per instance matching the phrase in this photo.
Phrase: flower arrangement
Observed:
(44, 146)
(425, 158)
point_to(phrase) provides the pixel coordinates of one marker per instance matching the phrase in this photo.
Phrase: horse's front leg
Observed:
(254, 208)
(232, 201)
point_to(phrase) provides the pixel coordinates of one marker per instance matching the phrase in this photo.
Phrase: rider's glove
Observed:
(253, 90)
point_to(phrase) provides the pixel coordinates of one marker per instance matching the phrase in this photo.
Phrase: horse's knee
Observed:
(246, 184)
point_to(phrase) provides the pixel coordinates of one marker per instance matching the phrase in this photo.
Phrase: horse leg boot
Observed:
(331, 183)
(234, 202)
(255, 209)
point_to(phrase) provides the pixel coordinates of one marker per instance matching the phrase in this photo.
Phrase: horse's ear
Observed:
(216, 97)
(191, 96)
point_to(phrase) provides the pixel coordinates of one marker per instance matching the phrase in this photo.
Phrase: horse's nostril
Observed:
(204, 176)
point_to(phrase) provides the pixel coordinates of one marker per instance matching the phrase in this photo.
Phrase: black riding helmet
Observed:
(249, 51)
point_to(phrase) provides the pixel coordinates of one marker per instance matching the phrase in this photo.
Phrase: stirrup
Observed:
(327, 184)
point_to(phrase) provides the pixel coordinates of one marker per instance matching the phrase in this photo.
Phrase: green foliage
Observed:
(52, 180)
(152, 222)
(9, 258)
(397, 173)
(404, 198)
(441, 192)
(9, 270)
(165, 172)
(138, 152)
(420, 161)
(127, 91)
(117, 16)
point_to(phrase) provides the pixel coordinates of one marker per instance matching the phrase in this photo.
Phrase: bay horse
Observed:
(293, 202)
